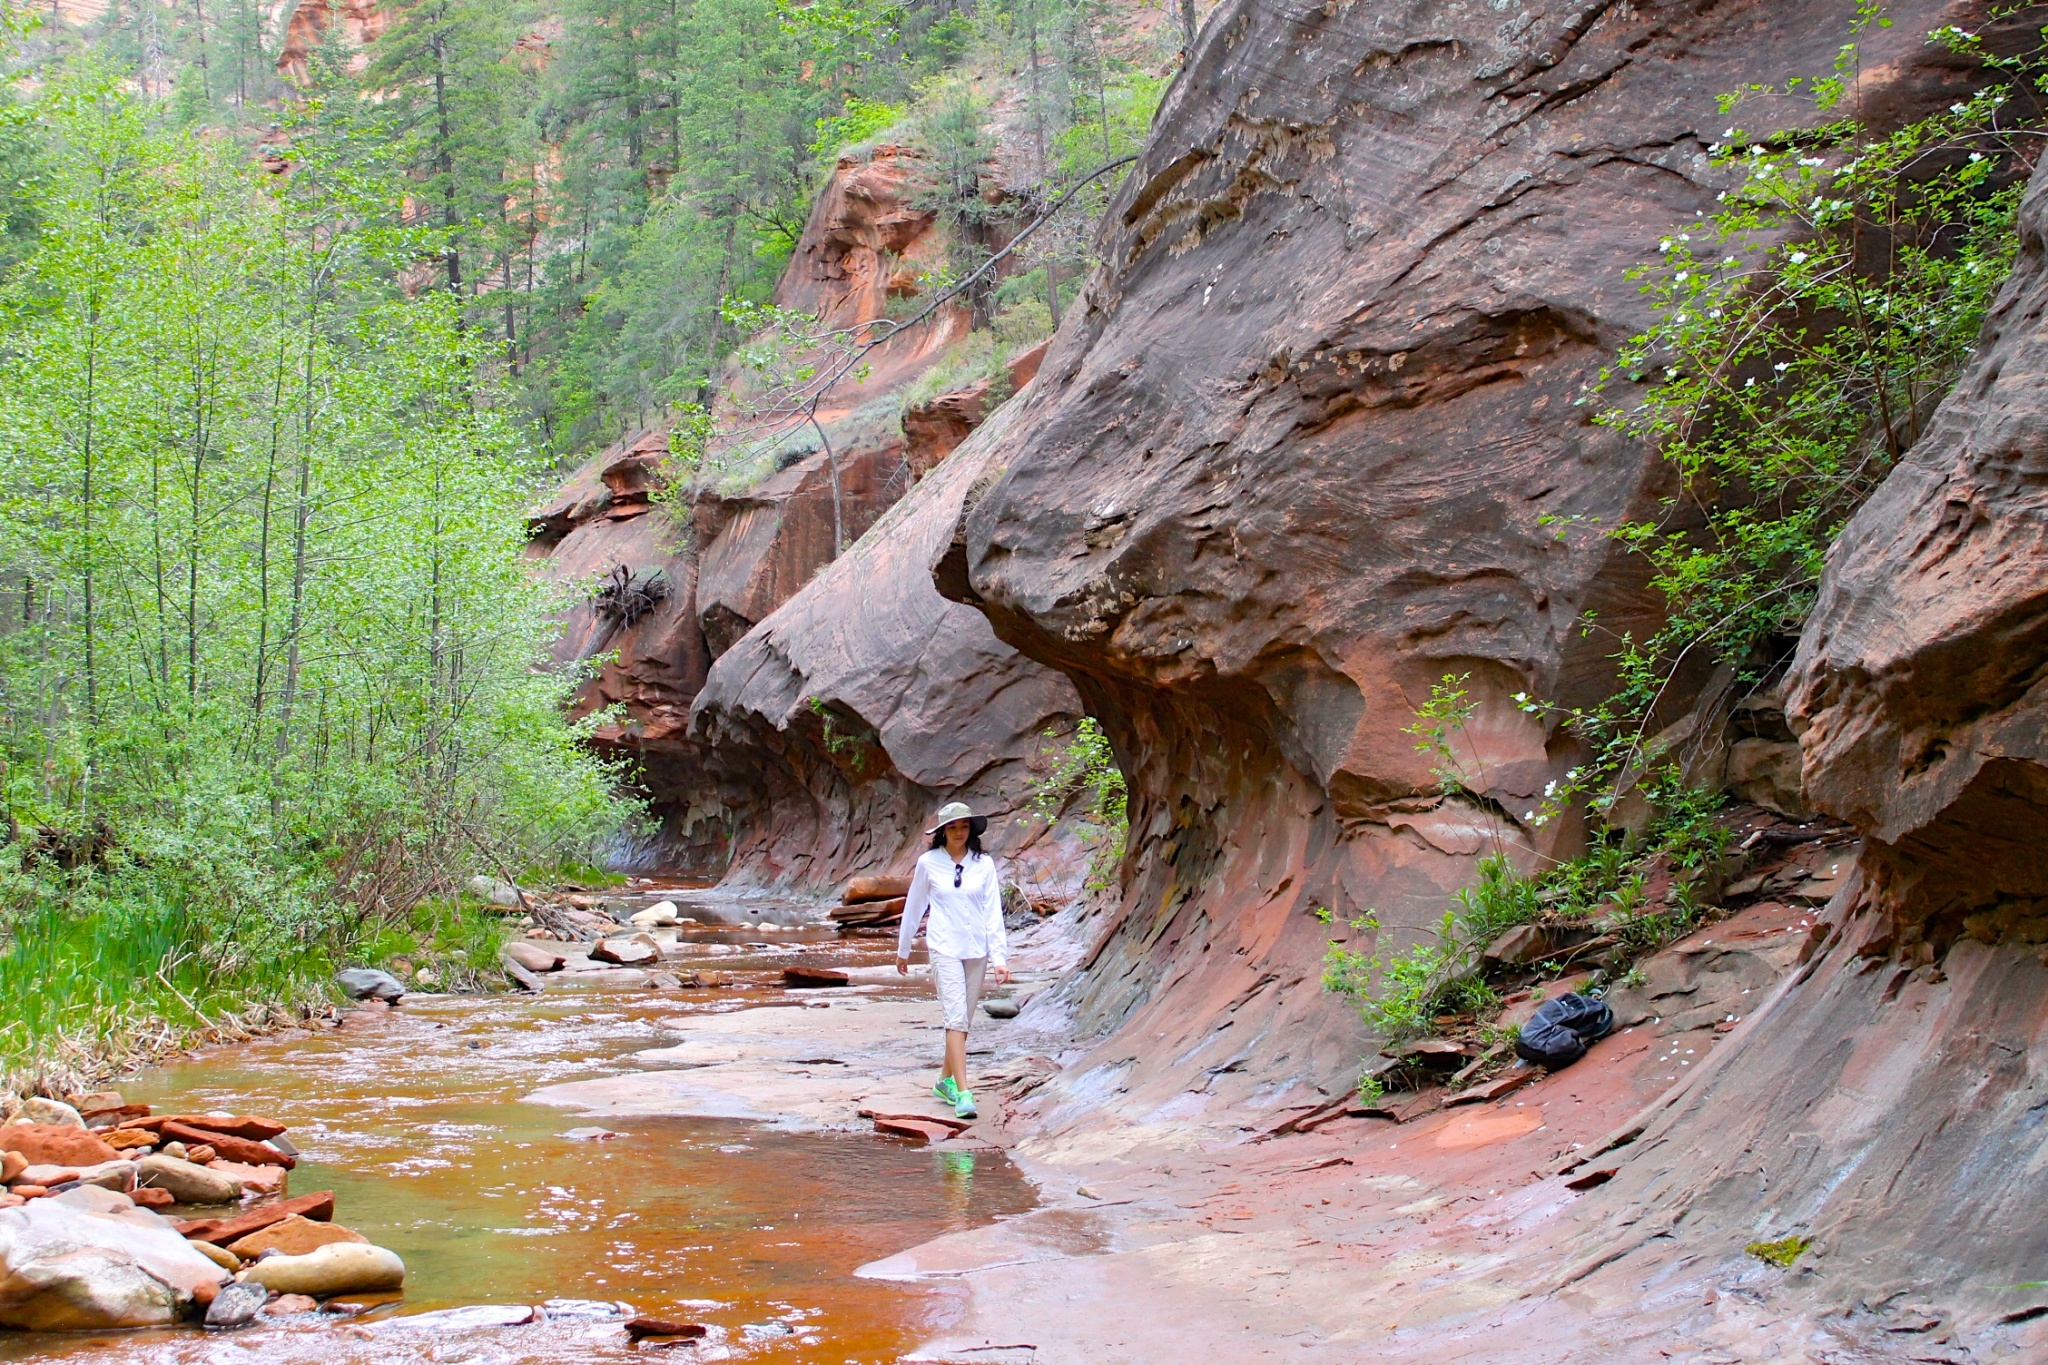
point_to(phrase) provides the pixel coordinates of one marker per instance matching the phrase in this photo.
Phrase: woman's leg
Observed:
(971, 969)
(956, 1057)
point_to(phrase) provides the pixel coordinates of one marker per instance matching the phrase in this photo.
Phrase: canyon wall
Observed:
(819, 752)
(1887, 1105)
(1296, 455)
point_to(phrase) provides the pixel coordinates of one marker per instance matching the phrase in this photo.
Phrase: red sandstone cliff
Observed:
(762, 790)
(1288, 464)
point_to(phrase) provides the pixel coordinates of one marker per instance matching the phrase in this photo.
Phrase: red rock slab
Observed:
(956, 1125)
(1495, 1088)
(875, 889)
(52, 1145)
(664, 1327)
(149, 1197)
(805, 978)
(923, 1130)
(128, 1139)
(226, 1145)
(220, 1231)
(246, 1126)
(110, 1118)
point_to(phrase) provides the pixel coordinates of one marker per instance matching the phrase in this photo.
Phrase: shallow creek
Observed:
(415, 1119)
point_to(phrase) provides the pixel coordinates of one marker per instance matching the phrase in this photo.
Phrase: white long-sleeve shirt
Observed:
(967, 921)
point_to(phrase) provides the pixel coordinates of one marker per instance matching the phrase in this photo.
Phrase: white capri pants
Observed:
(959, 983)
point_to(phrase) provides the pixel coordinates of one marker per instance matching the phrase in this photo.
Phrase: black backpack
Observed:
(1560, 1031)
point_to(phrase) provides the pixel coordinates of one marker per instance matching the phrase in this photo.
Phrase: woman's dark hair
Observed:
(973, 841)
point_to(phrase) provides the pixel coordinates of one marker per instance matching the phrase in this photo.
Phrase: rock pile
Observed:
(82, 1246)
(874, 903)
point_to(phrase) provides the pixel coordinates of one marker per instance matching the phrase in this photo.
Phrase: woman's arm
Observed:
(913, 914)
(998, 937)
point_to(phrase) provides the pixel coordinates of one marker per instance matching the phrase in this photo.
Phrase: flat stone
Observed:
(129, 1139)
(665, 1327)
(920, 1129)
(187, 1182)
(251, 1180)
(811, 977)
(462, 1319)
(1492, 1090)
(589, 1134)
(221, 1231)
(584, 1310)
(154, 1199)
(287, 1305)
(293, 1236)
(226, 1145)
(12, 1164)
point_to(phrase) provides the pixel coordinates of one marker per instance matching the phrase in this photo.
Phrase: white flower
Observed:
(1521, 696)
(1549, 789)
(1573, 775)
(1811, 161)
(1530, 815)
(1713, 312)
(1671, 373)
(1664, 245)
(1749, 383)
(1959, 108)
(1976, 156)
(1682, 276)
(1799, 258)
(1729, 133)
(1782, 366)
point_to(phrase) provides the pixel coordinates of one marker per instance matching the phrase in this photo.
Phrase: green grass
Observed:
(458, 942)
(82, 994)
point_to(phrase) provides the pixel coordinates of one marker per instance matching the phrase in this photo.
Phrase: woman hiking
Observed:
(957, 882)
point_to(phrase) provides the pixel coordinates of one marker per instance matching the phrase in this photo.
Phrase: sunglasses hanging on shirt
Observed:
(959, 870)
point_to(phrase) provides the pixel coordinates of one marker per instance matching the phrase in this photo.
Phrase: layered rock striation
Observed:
(1300, 455)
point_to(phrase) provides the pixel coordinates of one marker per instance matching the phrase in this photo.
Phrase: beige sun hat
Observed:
(957, 810)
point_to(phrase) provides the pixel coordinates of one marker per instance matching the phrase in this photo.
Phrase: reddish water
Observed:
(415, 1120)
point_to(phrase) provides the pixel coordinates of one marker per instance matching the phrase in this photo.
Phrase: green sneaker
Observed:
(963, 1104)
(948, 1090)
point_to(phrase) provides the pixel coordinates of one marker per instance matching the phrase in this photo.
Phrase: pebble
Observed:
(236, 1305)
(285, 1305)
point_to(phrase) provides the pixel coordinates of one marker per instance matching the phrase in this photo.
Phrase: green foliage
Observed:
(1781, 1253)
(1804, 333)
(268, 637)
(1371, 1090)
(1085, 783)
(861, 122)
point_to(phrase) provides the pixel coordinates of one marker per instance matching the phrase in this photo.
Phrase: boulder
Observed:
(495, 892)
(665, 1327)
(95, 1103)
(533, 957)
(1002, 1007)
(637, 951)
(187, 1183)
(367, 983)
(663, 981)
(293, 1236)
(63, 1268)
(117, 1175)
(237, 1305)
(52, 1113)
(54, 1145)
(658, 915)
(338, 1268)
